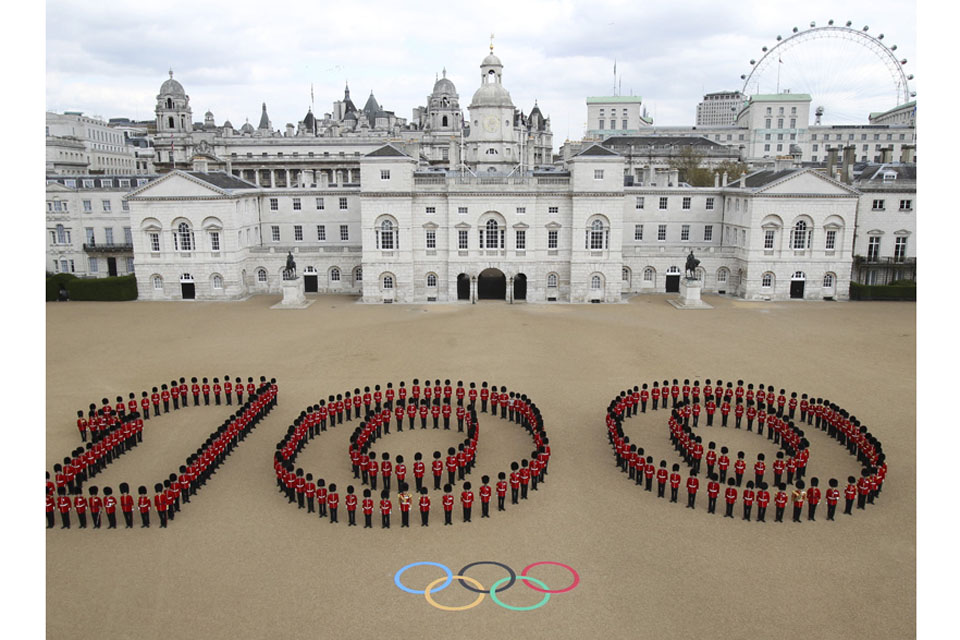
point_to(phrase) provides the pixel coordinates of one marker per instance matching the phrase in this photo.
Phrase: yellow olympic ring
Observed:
(476, 583)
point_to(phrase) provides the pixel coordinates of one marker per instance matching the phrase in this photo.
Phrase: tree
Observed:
(687, 162)
(733, 169)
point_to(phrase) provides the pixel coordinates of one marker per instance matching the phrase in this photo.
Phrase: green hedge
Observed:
(903, 290)
(54, 283)
(109, 289)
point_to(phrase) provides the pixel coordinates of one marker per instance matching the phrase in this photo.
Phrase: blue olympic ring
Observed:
(396, 577)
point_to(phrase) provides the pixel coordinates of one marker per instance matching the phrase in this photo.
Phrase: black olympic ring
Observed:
(463, 572)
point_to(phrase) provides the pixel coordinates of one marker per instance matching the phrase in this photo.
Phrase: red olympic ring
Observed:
(576, 577)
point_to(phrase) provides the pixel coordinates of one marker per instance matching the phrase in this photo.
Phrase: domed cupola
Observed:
(173, 108)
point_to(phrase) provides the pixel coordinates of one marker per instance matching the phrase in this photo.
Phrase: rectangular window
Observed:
(766, 147)
(873, 248)
(88, 184)
(521, 239)
(552, 236)
(124, 183)
(129, 265)
(462, 238)
(900, 248)
(708, 233)
(906, 205)
(779, 123)
(91, 240)
(878, 205)
(125, 205)
(553, 210)
(816, 147)
(214, 241)
(344, 232)
(779, 147)
(709, 205)
(274, 204)
(94, 265)
(127, 235)
(321, 233)
(624, 124)
(779, 136)
(663, 203)
(768, 136)
(431, 239)
(108, 235)
(813, 137)
(638, 232)
(154, 242)
(598, 174)
(298, 233)
(768, 237)
(384, 174)
(87, 206)
(275, 232)
(521, 211)
(831, 239)
(639, 202)
(601, 125)
(296, 204)
(462, 211)
(319, 204)
(685, 233)
(431, 211)
(686, 203)
(767, 123)
(106, 206)
(662, 233)
(343, 204)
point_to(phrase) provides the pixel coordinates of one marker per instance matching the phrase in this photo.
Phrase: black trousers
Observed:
(50, 520)
(384, 520)
(111, 518)
(811, 511)
(711, 505)
(424, 518)
(661, 487)
(729, 513)
(404, 518)
(831, 510)
(746, 511)
(144, 519)
(128, 519)
(484, 509)
(466, 513)
(163, 519)
(779, 515)
(447, 517)
(436, 483)
(673, 493)
(351, 517)
(95, 517)
(513, 495)
(333, 514)
(797, 510)
(523, 491)
(500, 501)
(368, 521)
(761, 514)
(691, 500)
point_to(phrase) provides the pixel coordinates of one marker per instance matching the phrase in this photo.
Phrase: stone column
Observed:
(510, 289)
(287, 174)
(272, 179)
(473, 289)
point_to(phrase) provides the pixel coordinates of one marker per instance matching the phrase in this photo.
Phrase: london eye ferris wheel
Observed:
(847, 71)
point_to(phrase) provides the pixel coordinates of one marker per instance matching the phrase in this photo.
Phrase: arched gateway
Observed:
(491, 285)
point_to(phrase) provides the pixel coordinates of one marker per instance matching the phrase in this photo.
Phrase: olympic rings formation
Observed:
(478, 588)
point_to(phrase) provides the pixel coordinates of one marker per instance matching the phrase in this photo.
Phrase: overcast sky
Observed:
(109, 59)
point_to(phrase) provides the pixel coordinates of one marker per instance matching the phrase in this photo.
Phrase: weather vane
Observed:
(491, 43)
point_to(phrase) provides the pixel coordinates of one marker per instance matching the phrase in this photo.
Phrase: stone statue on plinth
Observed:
(290, 271)
(692, 264)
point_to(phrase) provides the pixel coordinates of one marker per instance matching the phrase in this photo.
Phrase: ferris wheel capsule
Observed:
(764, 49)
(743, 76)
(866, 27)
(880, 37)
(752, 62)
(812, 24)
(849, 22)
(913, 94)
(893, 48)
(795, 29)
(830, 22)
(910, 77)
(779, 38)
(903, 61)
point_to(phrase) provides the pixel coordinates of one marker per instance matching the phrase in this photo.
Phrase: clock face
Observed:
(491, 124)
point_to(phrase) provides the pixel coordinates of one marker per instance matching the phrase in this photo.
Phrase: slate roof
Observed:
(387, 151)
(597, 150)
(221, 179)
(660, 141)
(761, 178)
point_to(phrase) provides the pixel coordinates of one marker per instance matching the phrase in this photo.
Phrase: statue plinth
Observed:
(689, 297)
(293, 296)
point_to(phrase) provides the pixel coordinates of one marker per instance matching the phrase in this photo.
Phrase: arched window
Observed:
(800, 235)
(431, 280)
(62, 235)
(552, 281)
(169, 103)
(385, 236)
(767, 280)
(183, 238)
(158, 283)
(388, 282)
(598, 236)
(828, 281)
(649, 274)
(217, 281)
(596, 282)
(722, 275)
(262, 275)
(444, 123)
(626, 274)
(798, 275)
(358, 275)
(335, 274)
(170, 122)
(494, 235)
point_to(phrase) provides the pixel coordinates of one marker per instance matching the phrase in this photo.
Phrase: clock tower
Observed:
(492, 144)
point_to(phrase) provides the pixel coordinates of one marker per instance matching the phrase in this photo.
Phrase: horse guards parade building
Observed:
(451, 206)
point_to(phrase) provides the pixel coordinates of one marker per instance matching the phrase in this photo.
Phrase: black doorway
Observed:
(463, 287)
(520, 287)
(310, 283)
(112, 267)
(492, 285)
(187, 290)
(673, 283)
(796, 288)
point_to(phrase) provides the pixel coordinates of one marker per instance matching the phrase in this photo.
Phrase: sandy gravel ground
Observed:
(241, 562)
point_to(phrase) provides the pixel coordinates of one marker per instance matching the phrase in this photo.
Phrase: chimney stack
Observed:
(831, 161)
(723, 180)
(716, 180)
(849, 156)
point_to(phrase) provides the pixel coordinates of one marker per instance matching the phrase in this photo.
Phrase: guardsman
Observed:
(310, 492)
(321, 498)
(780, 502)
(644, 397)
(524, 478)
(813, 498)
(367, 507)
(411, 414)
(437, 469)
(51, 506)
(155, 400)
(514, 482)
(461, 461)
(424, 411)
(738, 415)
(748, 498)
(110, 506)
(833, 496)
(713, 490)
(675, 480)
(451, 465)
(386, 470)
(484, 396)
(145, 405)
(649, 471)
(759, 469)
(461, 393)
(165, 398)
(175, 394)
(799, 498)
(350, 502)
(461, 414)
(501, 490)
(126, 504)
(385, 508)
(485, 493)
(333, 501)
(472, 396)
(695, 410)
(418, 470)
(160, 504)
(711, 457)
(724, 413)
(398, 416)
(693, 484)
(792, 405)
(662, 476)
(195, 390)
(82, 425)
(534, 470)
(751, 414)
(850, 494)
(424, 507)
(300, 487)
(730, 495)
(863, 488)
(697, 453)
(466, 501)
(779, 466)
(404, 500)
(791, 468)
(205, 390)
(763, 499)
(655, 394)
(217, 390)
(711, 408)
(723, 463)
(143, 505)
(446, 410)
(447, 505)
(400, 471)
(64, 505)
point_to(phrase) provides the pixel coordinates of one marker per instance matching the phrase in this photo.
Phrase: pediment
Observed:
(176, 184)
(807, 183)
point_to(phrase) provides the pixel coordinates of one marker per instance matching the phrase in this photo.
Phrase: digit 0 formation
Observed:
(783, 418)
(430, 405)
(117, 429)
